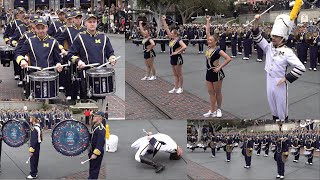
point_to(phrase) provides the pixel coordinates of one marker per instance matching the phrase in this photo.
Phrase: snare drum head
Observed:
(70, 137)
(100, 72)
(15, 133)
(44, 75)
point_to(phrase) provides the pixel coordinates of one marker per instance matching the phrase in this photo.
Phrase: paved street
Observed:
(262, 167)
(122, 165)
(244, 88)
(52, 165)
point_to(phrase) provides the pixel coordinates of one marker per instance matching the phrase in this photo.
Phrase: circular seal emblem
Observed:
(15, 133)
(70, 137)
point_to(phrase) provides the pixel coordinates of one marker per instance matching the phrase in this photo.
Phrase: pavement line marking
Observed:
(14, 162)
(120, 118)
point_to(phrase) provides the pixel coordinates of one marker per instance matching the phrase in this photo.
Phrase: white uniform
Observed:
(277, 61)
(143, 145)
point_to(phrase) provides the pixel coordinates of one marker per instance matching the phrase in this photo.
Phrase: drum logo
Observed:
(70, 138)
(45, 89)
(104, 87)
(13, 133)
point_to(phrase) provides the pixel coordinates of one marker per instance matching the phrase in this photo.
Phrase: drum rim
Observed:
(72, 120)
(14, 120)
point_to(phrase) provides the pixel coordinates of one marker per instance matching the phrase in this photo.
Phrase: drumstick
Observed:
(28, 160)
(108, 62)
(85, 161)
(90, 65)
(53, 67)
(260, 15)
(34, 67)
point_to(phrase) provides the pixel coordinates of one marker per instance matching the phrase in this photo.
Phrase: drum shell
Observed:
(101, 82)
(44, 85)
(6, 55)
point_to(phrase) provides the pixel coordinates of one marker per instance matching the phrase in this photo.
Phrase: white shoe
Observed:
(318, 150)
(259, 60)
(281, 177)
(31, 177)
(20, 83)
(173, 91)
(258, 154)
(68, 98)
(310, 69)
(232, 56)
(318, 64)
(179, 91)
(296, 161)
(16, 77)
(212, 156)
(265, 155)
(307, 162)
(310, 163)
(151, 78)
(278, 176)
(78, 97)
(315, 69)
(305, 62)
(239, 53)
(208, 114)
(219, 113)
(61, 88)
(227, 160)
(144, 78)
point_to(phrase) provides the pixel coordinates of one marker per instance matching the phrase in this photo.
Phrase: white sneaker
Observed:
(315, 69)
(31, 177)
(259, 60)
(144, 78)
(208, 114)
(219, 113)
(78, 97)
(239, 53)
(307, 162)
(318, 150)
(265, 155)
(310, 69)
(20, 83)
(318, 64)
(278, 176)
(61, 88)
(68, 98)
(305, 62)
(310, 163)
(212, 156)
(258, 154)
(297, 161)
(281, 177)
(151, 78)
(173, 90)
(179, 91)
(16, 77)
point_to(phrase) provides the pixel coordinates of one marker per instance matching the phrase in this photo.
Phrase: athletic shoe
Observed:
(20, 83)
(31, 177)
(219, 113)
(315, 69)
(212, 156)
(305, 62)
(240, 53)
(173, 90)
(68, 98)
(259, 60)
(179, 91)
(151, 78)
(281, 177)
(310, 69)
(16, 77)
(144, 78)
(208, 114)
(278, 176)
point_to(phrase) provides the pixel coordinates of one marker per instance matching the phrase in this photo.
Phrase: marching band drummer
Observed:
(18, 15)
(35, 141)
(296, 145)
(149, 54)
(229, 147)
(309, 146)
(151, 144)
(177, 46)
(247, 149)
(89, 47)
(215, 74)
(42, 49)
(96, 151)
(281, 150)
(55, 25)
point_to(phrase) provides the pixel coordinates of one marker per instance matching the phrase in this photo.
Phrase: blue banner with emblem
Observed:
(15, 133)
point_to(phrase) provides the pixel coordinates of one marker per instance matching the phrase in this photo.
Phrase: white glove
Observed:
(112, 60)
(59, 67)
(24, 64)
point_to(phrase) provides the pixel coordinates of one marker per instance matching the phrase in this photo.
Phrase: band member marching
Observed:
(229, 147)
(152, 144)
(281, 155)
(278, 57)
(266, 145)
(96, 150)
(257, 145)
(215, 74)
(296, 145)
(177, 46)
(309, 147)
(247, 149)
(35, 141)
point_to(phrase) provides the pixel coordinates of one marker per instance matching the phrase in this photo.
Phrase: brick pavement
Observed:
(197, 172)
(182, 106)
(137, 108)
(85, 174)
(117, 107)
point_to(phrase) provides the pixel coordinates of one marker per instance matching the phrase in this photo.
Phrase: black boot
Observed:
(150, 162)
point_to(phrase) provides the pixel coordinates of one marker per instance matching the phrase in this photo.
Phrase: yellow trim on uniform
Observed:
(19, 59)
(96, 152)
(31, 150)
(74, 58)
(6, 39)
(60, 47)
(286, 153)
(14, 43)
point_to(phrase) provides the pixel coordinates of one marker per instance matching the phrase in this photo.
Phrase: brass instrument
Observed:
(249, 151)
(229, 148)
(212, 144)
(284, 157)
(309, 38)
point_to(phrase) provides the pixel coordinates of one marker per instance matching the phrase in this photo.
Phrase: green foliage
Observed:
(45, 106)
(76, 111)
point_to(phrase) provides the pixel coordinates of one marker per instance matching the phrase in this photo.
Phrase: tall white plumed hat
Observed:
(284, 23)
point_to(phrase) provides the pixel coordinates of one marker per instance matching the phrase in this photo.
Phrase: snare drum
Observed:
(6, 55)
(100, 81)
(307, 153)
(44, 84)
(293, 151)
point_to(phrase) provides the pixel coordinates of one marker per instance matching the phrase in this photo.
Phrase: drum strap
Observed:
(104, 45)
(54, 25)
(84, 47)
(70, 35)
(20, 31)
(54, 42)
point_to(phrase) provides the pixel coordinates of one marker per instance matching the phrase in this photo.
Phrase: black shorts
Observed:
(176, 60)
(212, 76)
(149, 54)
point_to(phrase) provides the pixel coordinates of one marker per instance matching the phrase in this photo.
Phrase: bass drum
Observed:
(15, 133)
(70, 137)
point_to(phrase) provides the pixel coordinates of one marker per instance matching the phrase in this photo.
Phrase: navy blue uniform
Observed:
(247, 144)
(147, 54)
(200, 35)
(234, 38)
(97, 148)
(240, 43)
(229, 143)
(297, 143)
(222, 42)
(257, 143)
(162, 33)
(259, 50)
(310, 145)
(290, 42)
(247, 44)
(281, 148)
(35, 140)
(314, 52)
(11, 29)
(54, 27)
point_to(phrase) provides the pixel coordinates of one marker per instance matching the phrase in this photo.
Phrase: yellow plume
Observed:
(107, 131)
(295, 10)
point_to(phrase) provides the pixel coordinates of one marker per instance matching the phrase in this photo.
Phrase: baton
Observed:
(260, 15)
(85, 161)
(28, 160)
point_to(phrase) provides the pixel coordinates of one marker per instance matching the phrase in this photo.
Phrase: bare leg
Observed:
(176, 79)
(212, 95)
(179, 74)
(218, 87)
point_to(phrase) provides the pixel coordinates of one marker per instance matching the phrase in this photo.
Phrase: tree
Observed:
(187, 8)
(157, 7)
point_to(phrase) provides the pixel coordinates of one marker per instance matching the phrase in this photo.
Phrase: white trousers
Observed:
(277, 97)
(142, 150)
